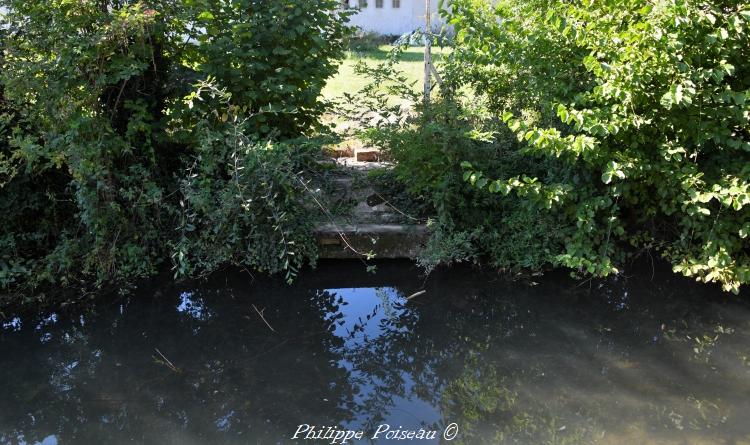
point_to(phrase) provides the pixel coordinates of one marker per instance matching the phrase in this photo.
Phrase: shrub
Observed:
(428, 147)
(646, 102)
(368, 41)
(602, 129)
(242, 198)
(272, 54)
(99, 159)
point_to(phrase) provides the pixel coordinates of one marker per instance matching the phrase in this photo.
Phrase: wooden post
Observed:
(427, 54)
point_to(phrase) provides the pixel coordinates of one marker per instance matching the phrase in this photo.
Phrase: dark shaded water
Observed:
(628, 360)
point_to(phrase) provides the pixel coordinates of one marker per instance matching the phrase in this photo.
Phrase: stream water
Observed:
(648, 358)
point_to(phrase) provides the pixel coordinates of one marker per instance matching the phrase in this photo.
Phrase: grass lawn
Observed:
(411, 64)
(346, 80)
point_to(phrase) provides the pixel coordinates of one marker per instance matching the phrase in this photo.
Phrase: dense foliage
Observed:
(600, 130)
(133, 132)
(652, 107)
(428, 147)
(652, 101)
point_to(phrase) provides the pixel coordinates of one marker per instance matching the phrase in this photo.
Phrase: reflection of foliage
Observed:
(493, 411)
(387, 302)
(100, 383)
(512, 365)
(704, 344)
(507, 362)
(701, 344)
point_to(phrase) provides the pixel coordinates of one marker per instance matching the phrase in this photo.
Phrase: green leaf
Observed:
(667, 100)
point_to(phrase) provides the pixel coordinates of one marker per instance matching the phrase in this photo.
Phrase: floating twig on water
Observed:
(166, 361)
(260, 314)
(416, 294)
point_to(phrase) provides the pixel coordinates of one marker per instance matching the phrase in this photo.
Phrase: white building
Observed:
(392, 17)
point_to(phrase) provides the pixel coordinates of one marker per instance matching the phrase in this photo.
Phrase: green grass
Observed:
(411, 64)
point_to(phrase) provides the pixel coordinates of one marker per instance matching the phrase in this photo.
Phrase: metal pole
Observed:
(427, 54)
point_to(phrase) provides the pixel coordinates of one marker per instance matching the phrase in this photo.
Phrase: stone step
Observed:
(382, 240)
(382, 214)
(361, 166)
(344, 188)
(365, 198)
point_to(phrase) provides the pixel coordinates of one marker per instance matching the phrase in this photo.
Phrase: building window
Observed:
(396, 3)
(378, 3)
(362, 4)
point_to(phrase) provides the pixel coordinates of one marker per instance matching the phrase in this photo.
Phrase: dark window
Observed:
(362, 4)
(378, 3)
(396, 3)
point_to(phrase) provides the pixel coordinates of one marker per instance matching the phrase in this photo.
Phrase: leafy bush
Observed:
(363, 41)
(602, 129)
(121, 116)
(428, 147)
(648, 103)
(275, 54)
(242, 198)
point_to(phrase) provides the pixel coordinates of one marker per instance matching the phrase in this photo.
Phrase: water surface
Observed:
(243, 360)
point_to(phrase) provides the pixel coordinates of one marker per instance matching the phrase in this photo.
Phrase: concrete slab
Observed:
(389, 241)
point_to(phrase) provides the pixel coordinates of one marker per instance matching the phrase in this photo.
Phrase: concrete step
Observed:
(361, 166)
(344, 188)
(382, 240)
(379, 214)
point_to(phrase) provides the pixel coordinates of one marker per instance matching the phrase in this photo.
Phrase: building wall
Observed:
(393, 21)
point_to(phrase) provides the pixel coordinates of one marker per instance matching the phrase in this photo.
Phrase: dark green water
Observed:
(624, 361)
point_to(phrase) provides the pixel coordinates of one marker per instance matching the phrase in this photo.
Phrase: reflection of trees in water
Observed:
(493, 408)
(103, 382)
(536, 365)
(507, 363)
